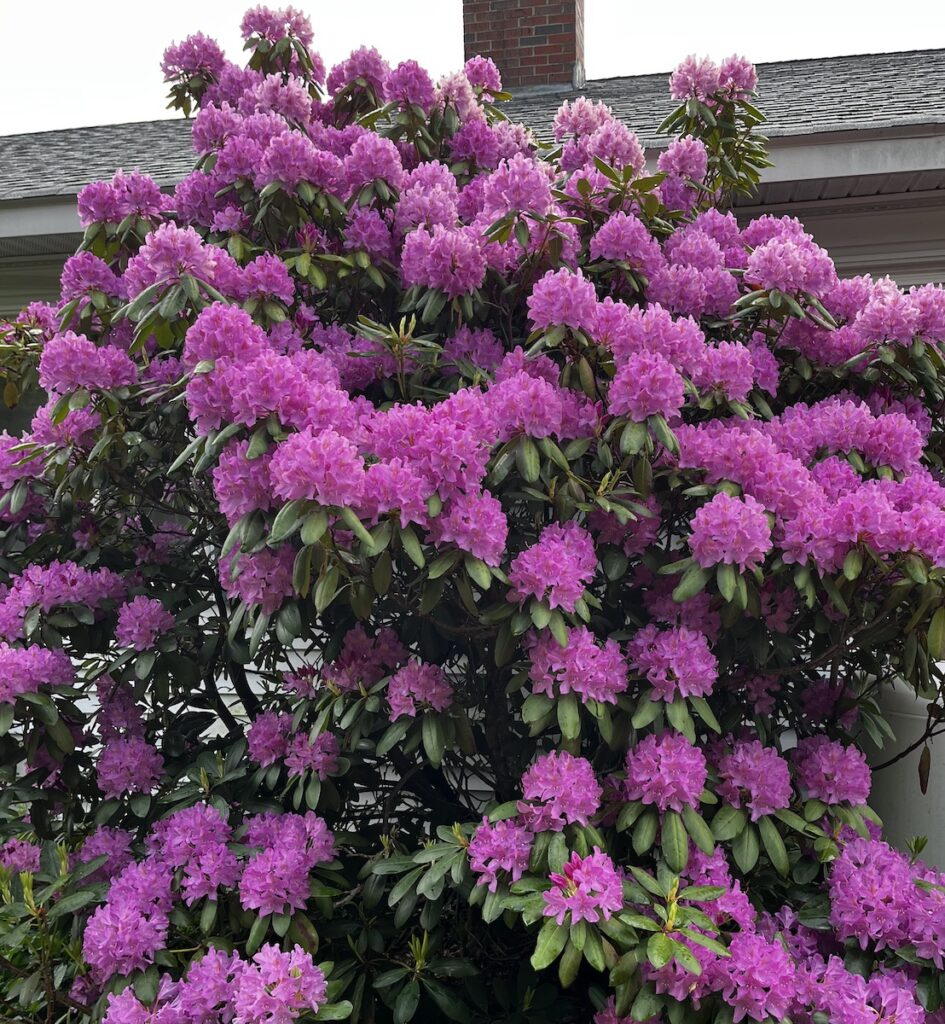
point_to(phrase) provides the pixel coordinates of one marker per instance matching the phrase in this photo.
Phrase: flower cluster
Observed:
(596, 672)
(504, 846)
(141, 621)
(275, 880)
(561, 789)
(418, 685)
(666, 771)
(556, 568)
(588, 889)
(677, 662)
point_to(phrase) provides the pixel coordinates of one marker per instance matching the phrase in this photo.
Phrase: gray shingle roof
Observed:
(800, 97)
(60, 163)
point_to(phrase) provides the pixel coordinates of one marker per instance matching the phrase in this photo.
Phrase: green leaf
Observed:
(702, 893)
(674, 842)
(745, 849)
(146, 986)
(447, 1000)
(698, 830)
(726, 579)
(925, 766)
(208, 916)
(442, 565)
(693, 582)
(647, 711)
(314, 526)
(792, 820)
(557, 852)
(685, 958)
(659, 949)
(351, 520)
(478, 571)
(326, 588)
(569, 964)
(853, 564)
(774, 846)
(256, 934)
(405, 1006)
(558, 627)
(702, 709)
(680, 719)
(528, 460)
(550, 943)
(728, 822)
(392, 736)
(434, 741)
(646, 1005)
(71, 903)
(412, 546)
(628, 815)
(936, 636)
(569, 716)
(334, 1011)
(644, 832)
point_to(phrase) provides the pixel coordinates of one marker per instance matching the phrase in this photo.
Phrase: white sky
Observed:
(68, 63)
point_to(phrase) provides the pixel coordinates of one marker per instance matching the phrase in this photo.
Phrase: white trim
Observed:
(23, 218)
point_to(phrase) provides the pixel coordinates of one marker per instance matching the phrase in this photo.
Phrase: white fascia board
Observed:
(826, 155)
(854, 154)
(24, 218)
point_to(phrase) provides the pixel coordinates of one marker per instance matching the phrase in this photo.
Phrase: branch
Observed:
(58, 996)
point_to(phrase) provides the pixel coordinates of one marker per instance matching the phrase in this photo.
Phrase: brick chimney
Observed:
(535, 44)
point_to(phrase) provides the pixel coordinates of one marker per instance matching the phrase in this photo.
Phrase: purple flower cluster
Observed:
(125, 195)
(275, 985)
(26, 669)
(449, 259)
(131, 926)
(562, 298)
(364, 660)
(562, 789)
(595, 671)
(128, 764)
(275, 880)
(879, 899)
(318, 755)
(52, 586)
(18, 855)
(70, 361)
(647, 384)
(731, 531)
(556, 568)
(677, 662)
(588, 889)
(503, 846)
(829, 771)
(666, 771)
(141, 621)
(755, 776)
(195, 840)
(416, 686)
(501, 442)
(702, 79)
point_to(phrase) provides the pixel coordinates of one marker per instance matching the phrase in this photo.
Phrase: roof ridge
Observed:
(96, 127)
(777, 63)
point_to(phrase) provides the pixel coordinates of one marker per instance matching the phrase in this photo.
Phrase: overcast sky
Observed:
(69, 63)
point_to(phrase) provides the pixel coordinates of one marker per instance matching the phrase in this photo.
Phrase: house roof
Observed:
(799, 97)
(868, 92)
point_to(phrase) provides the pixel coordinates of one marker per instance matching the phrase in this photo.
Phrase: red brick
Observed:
(533, 43)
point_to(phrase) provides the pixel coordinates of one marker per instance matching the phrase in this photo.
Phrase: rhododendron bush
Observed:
(454, 575)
